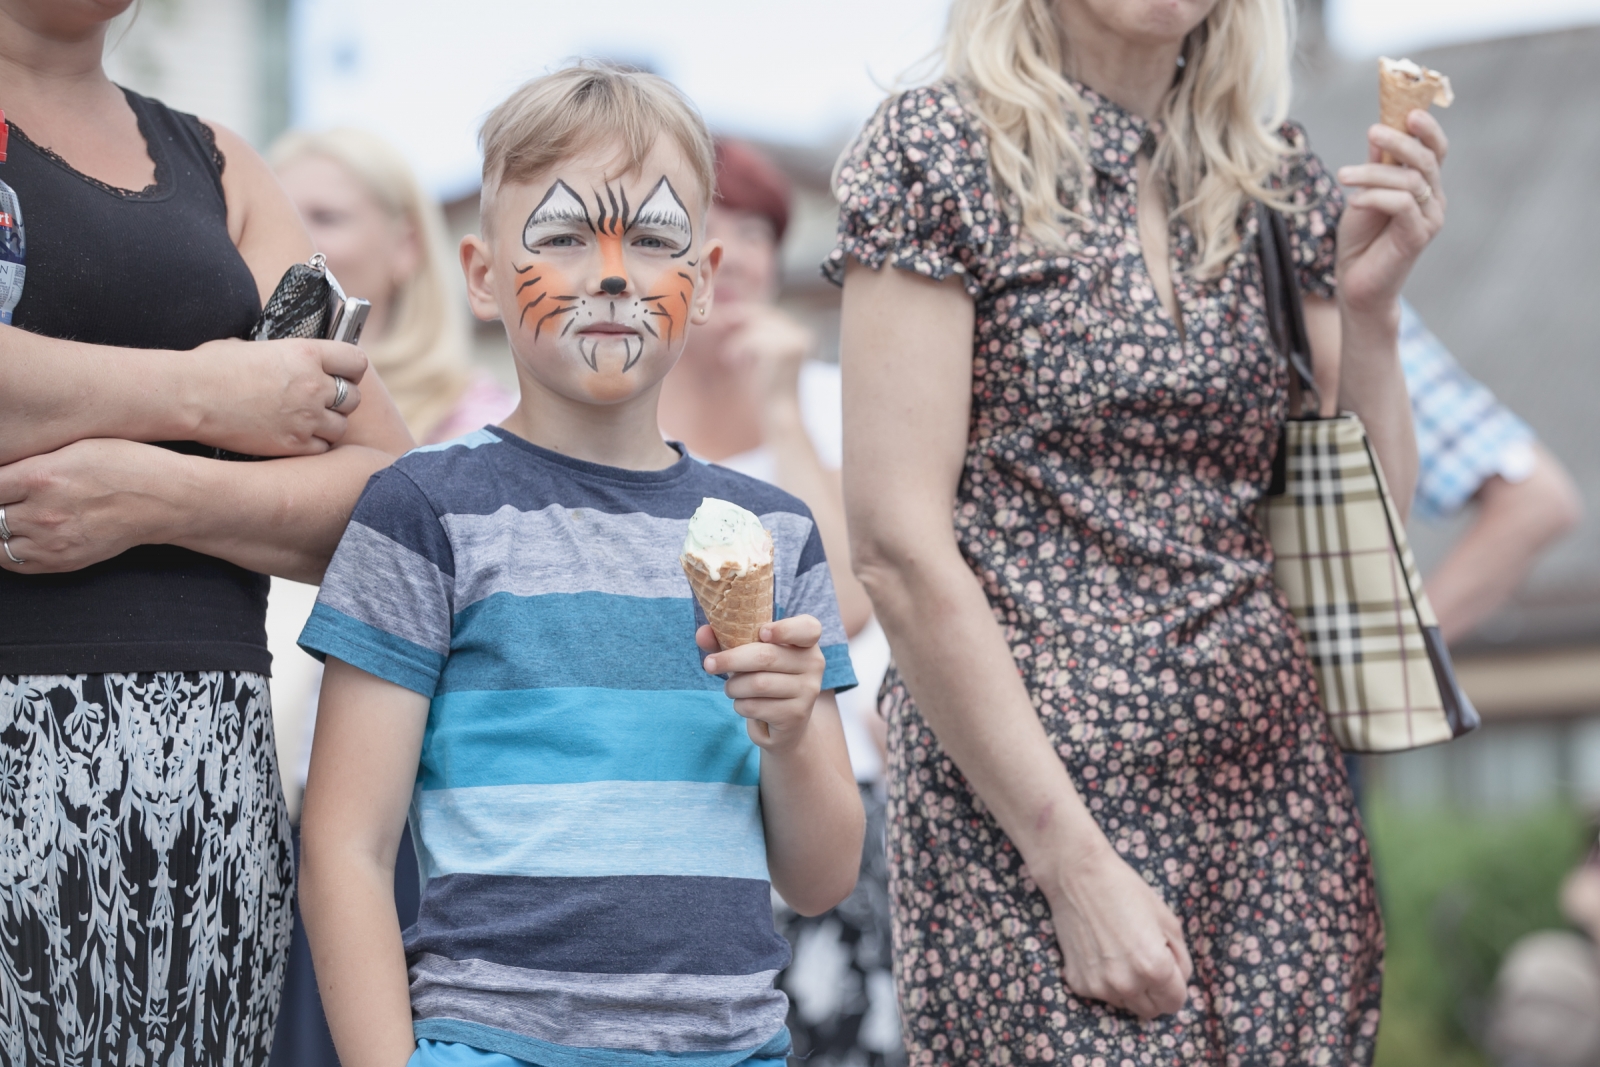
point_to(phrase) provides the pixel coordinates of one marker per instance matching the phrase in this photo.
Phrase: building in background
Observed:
(224, 60)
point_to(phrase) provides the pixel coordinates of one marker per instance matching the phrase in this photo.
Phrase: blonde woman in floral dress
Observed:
(1120, 832)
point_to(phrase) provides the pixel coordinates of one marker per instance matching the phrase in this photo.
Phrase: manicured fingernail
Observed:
(711, 665)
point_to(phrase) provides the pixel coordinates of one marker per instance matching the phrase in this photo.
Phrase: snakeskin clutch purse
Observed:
(301, 305)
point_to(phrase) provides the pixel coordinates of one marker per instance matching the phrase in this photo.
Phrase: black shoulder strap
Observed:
(1286, 315)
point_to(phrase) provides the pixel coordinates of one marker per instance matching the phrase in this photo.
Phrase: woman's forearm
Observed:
(1372, 384)
(262, 398)
(55, 392)
(955, 659)
(282, 517)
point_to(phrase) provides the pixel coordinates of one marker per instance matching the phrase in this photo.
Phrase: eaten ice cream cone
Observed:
(1404, 86)
(727, 557)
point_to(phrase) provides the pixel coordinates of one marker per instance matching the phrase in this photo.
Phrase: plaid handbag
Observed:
(1343, 560)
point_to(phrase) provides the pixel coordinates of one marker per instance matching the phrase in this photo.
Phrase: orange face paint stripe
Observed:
(612, 219)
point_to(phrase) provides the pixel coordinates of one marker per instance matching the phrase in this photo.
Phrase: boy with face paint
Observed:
(514, 661)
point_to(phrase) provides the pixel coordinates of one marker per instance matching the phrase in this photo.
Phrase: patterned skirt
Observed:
(146, 873)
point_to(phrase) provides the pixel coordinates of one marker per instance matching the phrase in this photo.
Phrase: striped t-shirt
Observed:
(587, 812)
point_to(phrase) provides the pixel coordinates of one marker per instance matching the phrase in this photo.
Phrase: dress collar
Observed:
(1115, 135)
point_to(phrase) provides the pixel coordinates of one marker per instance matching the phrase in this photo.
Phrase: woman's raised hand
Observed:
(1120, 943)
(1393, 212)
(275, 398)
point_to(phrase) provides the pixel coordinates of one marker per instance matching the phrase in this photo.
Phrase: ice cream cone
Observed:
(736, 605)
(1404, 86)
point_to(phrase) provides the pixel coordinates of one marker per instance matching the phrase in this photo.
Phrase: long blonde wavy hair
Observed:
(1221, 118)
(423, 357)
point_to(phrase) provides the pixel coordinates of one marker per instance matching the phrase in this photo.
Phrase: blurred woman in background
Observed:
(384, 239)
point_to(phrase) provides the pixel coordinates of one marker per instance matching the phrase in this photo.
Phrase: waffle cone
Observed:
(736, 606)
(1399, 93)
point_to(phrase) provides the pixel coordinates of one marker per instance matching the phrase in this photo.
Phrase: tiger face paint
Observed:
(601, 275)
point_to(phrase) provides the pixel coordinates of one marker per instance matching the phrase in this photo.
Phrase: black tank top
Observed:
(148, 269)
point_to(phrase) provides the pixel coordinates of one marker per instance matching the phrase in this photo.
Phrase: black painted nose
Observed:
(613, 286)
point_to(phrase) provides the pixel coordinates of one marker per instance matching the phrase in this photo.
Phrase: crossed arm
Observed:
(81, 481)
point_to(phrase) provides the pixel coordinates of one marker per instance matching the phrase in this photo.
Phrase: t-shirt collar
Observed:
(661, 476)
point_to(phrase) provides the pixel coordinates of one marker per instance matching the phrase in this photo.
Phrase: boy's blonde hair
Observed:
(560, 115)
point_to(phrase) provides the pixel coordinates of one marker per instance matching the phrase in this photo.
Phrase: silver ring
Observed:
(1424, 196)
(6, 544)
(5, 531)
(341, 392)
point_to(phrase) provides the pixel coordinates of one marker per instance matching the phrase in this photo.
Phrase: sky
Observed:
(791, 71)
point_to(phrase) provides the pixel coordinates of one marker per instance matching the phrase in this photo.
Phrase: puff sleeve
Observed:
(1319, 204)
(914, 192)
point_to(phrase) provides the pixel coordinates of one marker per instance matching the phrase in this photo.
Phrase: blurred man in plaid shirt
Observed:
(1473, 448)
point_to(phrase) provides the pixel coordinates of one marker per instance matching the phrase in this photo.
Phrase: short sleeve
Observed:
(914, 192)
(1318, 204)
(811, 593)
(385, 603)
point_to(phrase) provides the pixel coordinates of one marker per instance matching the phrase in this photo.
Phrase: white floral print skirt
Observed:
(146, 873)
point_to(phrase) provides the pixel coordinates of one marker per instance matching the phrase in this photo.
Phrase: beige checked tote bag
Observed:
(1343, 559)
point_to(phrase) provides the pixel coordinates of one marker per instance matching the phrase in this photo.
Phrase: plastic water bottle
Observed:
(13, 252)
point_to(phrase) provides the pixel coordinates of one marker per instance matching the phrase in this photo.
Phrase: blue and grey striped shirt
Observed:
(587, 811)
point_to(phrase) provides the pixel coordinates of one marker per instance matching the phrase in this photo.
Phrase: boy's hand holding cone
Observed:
(776, 667)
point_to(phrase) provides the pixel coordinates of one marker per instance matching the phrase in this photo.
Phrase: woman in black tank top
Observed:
(145, 871)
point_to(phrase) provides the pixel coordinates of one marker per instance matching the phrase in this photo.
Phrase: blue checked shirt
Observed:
(1465, 435)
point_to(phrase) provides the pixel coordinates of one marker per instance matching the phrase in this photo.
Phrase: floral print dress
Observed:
(1107, 502)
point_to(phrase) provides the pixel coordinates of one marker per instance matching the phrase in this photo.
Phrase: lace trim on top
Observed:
(115, 190)
(211, 141)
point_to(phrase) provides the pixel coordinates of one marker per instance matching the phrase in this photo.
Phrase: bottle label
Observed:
(11, 278)
(13, 253)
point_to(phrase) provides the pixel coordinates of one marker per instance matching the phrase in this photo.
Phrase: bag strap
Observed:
(1286, 316)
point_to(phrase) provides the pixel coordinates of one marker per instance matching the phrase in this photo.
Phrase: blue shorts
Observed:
(455, 1054)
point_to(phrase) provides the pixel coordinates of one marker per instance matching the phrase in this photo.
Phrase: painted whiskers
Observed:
(549, 299)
